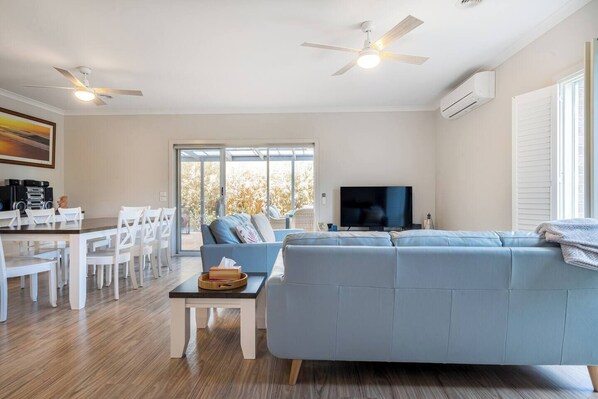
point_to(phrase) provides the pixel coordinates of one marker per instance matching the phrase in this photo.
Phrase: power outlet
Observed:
(163, 196)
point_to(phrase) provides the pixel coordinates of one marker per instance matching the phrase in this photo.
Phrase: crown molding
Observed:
(212, 111)
(233, 111)
(559, 16)
(30, 101)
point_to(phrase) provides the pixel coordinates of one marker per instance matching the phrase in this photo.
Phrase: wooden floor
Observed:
(120, 349)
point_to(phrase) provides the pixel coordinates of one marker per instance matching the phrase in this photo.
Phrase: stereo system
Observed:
(32, 194)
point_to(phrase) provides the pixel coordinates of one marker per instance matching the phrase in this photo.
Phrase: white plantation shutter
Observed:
(534, 158)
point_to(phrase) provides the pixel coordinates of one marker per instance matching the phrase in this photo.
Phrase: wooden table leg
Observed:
(295, 367)
(179, 327)
(593, 370)
(248, 330)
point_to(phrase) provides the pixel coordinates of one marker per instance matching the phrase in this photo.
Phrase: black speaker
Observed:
(33, 183)
(48, 198)
(13, 182)
(13, 197)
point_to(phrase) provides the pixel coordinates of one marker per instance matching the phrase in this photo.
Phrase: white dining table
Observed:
(76, 233)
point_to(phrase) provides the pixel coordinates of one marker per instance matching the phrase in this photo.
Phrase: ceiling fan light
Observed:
(85, 94)
(368, 58)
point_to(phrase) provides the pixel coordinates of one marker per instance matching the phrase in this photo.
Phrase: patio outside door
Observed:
(200, 193)
(217, 181)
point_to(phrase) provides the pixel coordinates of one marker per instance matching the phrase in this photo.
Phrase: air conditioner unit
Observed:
(474, 92)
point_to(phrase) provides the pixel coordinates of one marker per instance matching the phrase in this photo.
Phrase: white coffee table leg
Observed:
(248, 328)
(201, 317)
(179, 327)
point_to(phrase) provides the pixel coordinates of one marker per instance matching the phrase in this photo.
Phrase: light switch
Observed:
(163, 196)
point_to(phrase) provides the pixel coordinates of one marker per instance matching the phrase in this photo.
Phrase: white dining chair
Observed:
(10, 219)
(68, 215)
(48, 249)
(144, 246)
(20, 266)
(126, 232)
(13, 219)
(135, 208)
(163, 239)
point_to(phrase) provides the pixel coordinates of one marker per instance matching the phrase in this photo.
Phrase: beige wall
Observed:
(473, 153)
(124, 160)
(54, 176)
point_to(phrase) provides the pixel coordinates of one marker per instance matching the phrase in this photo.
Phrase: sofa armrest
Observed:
(282, 233)
(251, 257)
(277, 274)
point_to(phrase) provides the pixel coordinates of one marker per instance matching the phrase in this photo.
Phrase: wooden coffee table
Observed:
(249, 299)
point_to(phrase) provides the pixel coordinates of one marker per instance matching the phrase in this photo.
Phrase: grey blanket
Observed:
(578, 239)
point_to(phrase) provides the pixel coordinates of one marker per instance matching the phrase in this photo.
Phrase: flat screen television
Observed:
(376, 207)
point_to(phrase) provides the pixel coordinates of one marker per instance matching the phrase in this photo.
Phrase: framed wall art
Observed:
(26, 140)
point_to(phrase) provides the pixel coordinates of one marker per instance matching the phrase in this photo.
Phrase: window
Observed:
(571, 148)
(549, 154)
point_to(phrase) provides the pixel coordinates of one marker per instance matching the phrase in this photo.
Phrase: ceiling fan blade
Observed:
(70, 77)
(330, 47)
(345, 68)
(400, 30)
(98, 101)
(118, 91)
(408, 59)
(51, 87)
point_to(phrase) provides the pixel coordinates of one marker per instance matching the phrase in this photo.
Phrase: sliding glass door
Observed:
(199, 193)
(212, 182)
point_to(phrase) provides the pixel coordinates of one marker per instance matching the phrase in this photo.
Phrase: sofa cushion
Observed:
(442, 238)
(274, 212)
(206, 235)
(223, 228)
(263, 227)
(248, 234)
(523, 239)
(344, 238)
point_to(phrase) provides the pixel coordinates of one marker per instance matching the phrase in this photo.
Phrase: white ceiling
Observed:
(244, 56)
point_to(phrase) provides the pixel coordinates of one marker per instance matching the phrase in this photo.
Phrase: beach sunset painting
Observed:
(26, 140)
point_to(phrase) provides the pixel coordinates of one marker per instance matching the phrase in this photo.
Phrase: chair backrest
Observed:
(70, 214)
(151, 222)
(304, 218)
(134, 208)
(126, 231)
(41, 216)
(166, 222)
(10, 218)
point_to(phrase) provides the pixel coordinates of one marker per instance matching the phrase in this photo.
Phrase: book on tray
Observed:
(225, 273)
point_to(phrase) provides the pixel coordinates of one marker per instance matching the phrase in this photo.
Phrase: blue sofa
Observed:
(499, 298)
(252, 257)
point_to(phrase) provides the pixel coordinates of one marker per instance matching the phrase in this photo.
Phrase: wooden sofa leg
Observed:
(295, 367)
(593, 370)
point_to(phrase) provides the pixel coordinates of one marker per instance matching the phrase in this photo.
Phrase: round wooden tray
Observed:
(204, 283)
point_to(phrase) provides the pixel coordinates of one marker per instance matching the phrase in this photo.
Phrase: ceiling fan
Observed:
(85, 93)
(371, 53)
